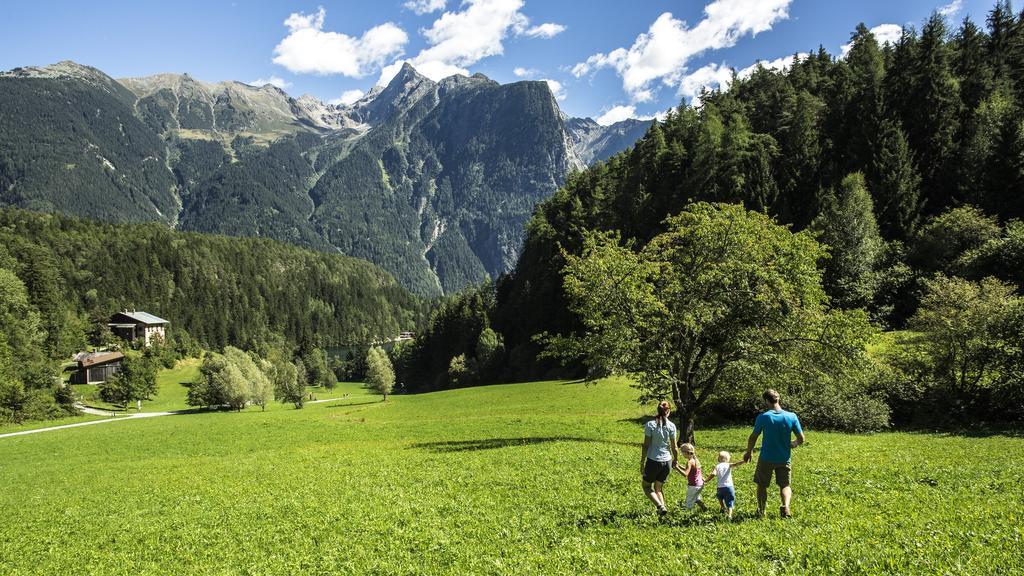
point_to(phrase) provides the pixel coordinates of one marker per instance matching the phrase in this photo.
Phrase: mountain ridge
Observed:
(434, 181)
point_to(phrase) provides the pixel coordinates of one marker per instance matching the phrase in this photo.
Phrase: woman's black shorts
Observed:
(655, 471)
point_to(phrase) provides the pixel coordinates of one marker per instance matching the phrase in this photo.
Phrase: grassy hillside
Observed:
(530, 478)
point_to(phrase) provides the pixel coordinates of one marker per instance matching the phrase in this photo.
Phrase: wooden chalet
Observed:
(133, 325)
(96, 367)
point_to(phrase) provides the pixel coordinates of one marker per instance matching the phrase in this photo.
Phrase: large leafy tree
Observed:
(22, 364)
(380, 375)
(970, 336)
(724, 298)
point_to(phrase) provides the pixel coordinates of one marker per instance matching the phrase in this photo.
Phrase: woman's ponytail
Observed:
(663, 411)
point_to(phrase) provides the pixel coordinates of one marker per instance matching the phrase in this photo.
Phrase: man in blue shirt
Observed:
(778, 426)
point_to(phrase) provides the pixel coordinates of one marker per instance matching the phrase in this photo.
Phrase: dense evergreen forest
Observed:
(62, 278)
(906, 159)
(59, 152)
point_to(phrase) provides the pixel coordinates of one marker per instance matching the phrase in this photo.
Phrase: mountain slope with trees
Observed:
(432, 181)
(903, 159)
(62, 278)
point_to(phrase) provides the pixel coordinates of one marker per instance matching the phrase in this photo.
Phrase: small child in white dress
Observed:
(726, 491)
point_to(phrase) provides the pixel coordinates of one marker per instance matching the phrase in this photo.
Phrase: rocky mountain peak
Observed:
(69, 70)
(401, 94)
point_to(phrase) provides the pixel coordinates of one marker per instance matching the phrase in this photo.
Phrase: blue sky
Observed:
(604, 59)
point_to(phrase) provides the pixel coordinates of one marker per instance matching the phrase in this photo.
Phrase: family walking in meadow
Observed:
(780, 432)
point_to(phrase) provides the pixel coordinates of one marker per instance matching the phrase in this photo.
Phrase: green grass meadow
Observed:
(537, 478)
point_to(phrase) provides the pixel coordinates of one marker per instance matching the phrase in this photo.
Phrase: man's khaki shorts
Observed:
(763, 473)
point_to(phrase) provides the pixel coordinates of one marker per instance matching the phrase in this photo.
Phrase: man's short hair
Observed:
(771, 396)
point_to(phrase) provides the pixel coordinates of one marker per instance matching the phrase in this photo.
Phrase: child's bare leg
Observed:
(721, 504)
(728, 513)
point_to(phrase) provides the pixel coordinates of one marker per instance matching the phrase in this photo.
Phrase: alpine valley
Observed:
(433, 181)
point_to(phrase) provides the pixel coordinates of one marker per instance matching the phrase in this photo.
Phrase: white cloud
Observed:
(713, 76)
(521, 72)
(719, 76)
(348, 97)
(951, 8)
(424, 6)
(308, 49)
(616, 114)
(556, 88)
(545, 30)
(463, 38)
(663, 51)
(599, 61)
(273, 81)
(780, 64)
(620, 113)
(884, 34)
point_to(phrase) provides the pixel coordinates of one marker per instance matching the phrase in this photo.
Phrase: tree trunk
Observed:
(687, 421)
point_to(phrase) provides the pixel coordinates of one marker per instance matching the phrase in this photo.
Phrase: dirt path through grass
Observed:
(93, 411)
(98, 412)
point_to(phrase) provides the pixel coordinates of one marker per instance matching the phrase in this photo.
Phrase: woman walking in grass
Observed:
(659, 455)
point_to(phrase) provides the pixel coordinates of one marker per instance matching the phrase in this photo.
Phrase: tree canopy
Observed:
(724, 298)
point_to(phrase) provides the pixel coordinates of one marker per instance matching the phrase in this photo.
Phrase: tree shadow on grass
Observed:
(495, 443)
(980, 432)
(641, 420)
(349, 405)
(677, 518)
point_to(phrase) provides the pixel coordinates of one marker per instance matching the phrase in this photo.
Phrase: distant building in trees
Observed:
(96, 367)
(133, 326)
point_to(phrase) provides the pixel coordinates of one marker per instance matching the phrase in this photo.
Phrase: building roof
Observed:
(143, 317)
(87, 359)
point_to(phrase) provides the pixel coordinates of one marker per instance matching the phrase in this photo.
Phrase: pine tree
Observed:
(900, 96)
(933, 123)
(847, 225)
(863, 109)
(1006, 171)
(1001, 24)
(895, 184)
(799, 174)
(971, 67)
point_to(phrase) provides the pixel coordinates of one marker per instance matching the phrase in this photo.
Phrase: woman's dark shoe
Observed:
(785, 512)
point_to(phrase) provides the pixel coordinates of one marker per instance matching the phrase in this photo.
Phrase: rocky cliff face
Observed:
(434, 181)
